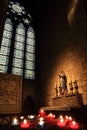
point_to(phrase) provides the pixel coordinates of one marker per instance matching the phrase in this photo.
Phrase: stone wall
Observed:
(63, 47)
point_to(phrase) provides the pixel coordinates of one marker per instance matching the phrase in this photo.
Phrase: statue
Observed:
(71, 87)
(75, 86)
(63, 81)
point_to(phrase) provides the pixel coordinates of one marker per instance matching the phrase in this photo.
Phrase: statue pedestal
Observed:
(68, 100)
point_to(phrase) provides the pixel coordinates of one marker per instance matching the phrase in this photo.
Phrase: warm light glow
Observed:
(25, 123)
(31, 117)
(61, 120)
(60, 116)
(70, 118)
(74, 125)
(42, 112)
(72, 10)
(66, 117)
(61, 123)
(41, 118)
(22, 117)
(51, 116)
(73, 122)
(15, 121)
(41, 122)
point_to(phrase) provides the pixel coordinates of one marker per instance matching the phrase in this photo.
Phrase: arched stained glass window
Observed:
(17, 54)
(30, 53)
(5, 46)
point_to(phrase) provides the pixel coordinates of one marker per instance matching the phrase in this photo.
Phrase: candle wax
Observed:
(25, 124)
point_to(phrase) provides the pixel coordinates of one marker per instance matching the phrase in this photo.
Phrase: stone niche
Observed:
(66, 95)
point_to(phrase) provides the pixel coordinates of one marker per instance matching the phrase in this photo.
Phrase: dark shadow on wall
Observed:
(29, 105)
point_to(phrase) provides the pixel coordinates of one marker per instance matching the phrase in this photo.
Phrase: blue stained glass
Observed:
(17, 62)
(8, 20)
(18, 53)
(29, 74)
(7, 34)
(18, 50)
(30, 65)
(3, 69)
(20, 31)
(19, 38)
(31, 41)
(4, 50)
(19, 46)
(30, 56)
(6, 42)
(31, 33)
(17, 71)
(30, 49)
(31, 29)
(21, 26)
(8, 27)
(3, 60)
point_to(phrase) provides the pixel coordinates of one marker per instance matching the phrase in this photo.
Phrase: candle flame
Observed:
(61, 120)
(25, 121)
(15, 120)
(42, 110)
(70, 118)
(66, 117)
(73, 122)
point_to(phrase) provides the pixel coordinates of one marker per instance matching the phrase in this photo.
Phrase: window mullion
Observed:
(24, 52)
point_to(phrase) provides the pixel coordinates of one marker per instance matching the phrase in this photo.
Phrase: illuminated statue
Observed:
(63, 81)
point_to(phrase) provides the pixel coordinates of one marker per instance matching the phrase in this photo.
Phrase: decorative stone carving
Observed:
(71, 87)
(75, 86)
(68, 100)
(10, 93)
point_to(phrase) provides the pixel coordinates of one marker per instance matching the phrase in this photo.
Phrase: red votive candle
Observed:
(61, 122)
(25, 123)
(42, 112)
(74, 126)
(51, 116)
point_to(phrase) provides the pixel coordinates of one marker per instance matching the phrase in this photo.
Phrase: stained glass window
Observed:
(5, 46)
(30, 54)
(30, 74)
(17, 54)
(6, 42)
(17, 62)
(17, 71)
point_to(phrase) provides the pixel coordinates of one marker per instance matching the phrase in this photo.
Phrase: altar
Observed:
(68, 100)
(65, 103)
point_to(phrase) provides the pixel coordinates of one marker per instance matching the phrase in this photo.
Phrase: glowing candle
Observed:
(15, 122)
(61, 123)
(51, 116)
(41, 122)
(68, 119)
(73, 125)
(31, 117)
(42, 112)
(25, 123)
(21, 117)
